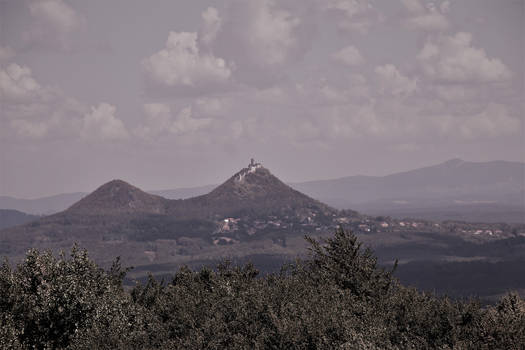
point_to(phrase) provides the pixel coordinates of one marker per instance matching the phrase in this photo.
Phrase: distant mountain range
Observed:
(456, 189)
(41, 206)
(9, 218)
(453, 190)
(497, 181)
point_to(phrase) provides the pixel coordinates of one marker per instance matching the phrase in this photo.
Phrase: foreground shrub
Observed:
(47, 301)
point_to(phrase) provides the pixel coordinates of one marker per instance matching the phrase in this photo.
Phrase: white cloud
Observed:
(455, 93)
(160, 121)
(454, 59)
(57, 13)
(53, 22)
(212, 106)
(211, 24)
(351, 15)
(429, 22)
(262, 38)
(354, 121)
(181, 65)
(316, 91)
(426, 18)
(445, 6)
(267, 32)
(101, 123)
(391, 81)
(30, 129)
(6, 53)
(350, 87)
(184, 123)
(349, 55)
(413, 6)
(17, 83)
(33, 110)
(492, 122)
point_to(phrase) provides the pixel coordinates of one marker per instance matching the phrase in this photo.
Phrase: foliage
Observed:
(337, 298)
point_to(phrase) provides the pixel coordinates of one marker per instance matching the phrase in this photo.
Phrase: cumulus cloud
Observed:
(314, 91)
(161, 121)
(262, 38)
(428, 18)
(35, 111)
(454, 92)
(211, 24)
(158, 119)
(17, 83)
(53, 22)
(492, 122)
(413, 6)
(212, 106)
(351, 15)
(184, 123)
(445, 6)
(357, 121)
(250, 42)
(57, 118)
(391, 81)
(101, 123)
(348, 88)
(30, 130)
(183, 67)
(57, 13)
(6, 53)
(454, 59)
(349, 55)
(267, 31)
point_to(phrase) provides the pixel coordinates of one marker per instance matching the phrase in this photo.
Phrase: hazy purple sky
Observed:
(167, 94)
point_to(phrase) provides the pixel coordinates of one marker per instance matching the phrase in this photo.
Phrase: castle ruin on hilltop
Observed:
(252, 167)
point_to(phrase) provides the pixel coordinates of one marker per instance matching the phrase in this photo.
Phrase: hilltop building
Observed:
(252, 167)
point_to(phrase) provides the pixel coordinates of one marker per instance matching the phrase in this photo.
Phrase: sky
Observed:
(166, 94)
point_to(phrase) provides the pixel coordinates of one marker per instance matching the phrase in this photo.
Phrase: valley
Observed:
(252, 215)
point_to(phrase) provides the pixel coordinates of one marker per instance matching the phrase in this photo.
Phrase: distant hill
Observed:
(118, 197)
(497, 181)
(9, 218)
(456, 189)
(253, 189)
(41, 206)
(453, 190)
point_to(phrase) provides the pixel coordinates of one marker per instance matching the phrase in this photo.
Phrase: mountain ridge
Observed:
(381, 194)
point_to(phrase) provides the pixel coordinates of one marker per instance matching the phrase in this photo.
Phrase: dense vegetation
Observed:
(337, 298)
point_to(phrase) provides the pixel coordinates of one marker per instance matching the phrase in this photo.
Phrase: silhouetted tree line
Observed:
(338, 298)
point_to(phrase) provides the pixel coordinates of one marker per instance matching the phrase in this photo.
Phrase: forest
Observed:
(338, 297)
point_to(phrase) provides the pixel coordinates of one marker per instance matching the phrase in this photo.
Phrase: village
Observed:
(230, 230)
